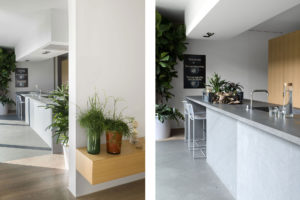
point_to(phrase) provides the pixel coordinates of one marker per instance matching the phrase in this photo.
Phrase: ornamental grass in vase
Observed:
(93, 120)
(117, 126)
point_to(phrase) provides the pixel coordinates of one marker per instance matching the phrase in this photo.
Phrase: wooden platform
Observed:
(106, 167)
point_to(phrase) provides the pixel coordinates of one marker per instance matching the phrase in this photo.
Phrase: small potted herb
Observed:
(93, 121)
(116, 126)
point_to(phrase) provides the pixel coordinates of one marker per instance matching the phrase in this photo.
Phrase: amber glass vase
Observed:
(113, 142)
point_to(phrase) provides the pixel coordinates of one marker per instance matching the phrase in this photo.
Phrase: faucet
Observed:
(39, 90)
(287, 109)
(254, 91)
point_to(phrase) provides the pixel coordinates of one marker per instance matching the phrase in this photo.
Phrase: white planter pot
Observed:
(3, 109)
(162, 130)
(66, 156)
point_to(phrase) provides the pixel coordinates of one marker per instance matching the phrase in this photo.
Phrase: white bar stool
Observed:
(198, 146)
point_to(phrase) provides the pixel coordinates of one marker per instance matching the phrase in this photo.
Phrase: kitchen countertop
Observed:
(285, 128)
(37, 98)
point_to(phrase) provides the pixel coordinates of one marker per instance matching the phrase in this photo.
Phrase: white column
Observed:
(107, 53)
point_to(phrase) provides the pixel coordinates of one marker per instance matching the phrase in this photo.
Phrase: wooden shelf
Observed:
(106, 167)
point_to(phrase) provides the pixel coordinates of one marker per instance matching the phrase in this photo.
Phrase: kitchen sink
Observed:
(264, 108)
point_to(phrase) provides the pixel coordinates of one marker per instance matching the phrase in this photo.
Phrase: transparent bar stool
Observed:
(197, 145)
(186, 120)
(19, 105)
(187, 125)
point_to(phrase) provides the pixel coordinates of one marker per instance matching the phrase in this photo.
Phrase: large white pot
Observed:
(66, 155)
(3, 109)
(162, 130)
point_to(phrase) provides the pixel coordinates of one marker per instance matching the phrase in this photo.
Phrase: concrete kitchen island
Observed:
(256, 156)
(39, 118)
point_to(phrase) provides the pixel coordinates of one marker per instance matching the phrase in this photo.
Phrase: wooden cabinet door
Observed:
(284, 67)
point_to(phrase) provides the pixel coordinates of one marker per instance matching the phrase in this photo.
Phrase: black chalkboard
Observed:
(21, 75)
(194, 71)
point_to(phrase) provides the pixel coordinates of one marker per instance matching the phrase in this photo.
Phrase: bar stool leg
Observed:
(18, 109)
(21, 105)
(185, 128)
(189, 136)
(203, 133)
(194, 146)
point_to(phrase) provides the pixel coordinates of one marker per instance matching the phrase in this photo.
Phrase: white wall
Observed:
(243, 59)
(36, 36)
(39, 73)
(59, 26)
(107, 53)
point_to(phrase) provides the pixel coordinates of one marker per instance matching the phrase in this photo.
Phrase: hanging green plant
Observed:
(7, 66)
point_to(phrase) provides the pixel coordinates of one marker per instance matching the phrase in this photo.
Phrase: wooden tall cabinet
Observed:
(284, 66)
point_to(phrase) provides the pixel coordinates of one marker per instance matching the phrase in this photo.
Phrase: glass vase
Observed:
(93, 142)
(113, 142)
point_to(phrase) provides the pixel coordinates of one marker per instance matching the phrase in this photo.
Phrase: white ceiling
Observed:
(18, 16)
(229, 18)
(285, 22)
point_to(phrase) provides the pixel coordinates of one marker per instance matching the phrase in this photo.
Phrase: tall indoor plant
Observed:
(117, 126)
(60, 118)
(170, 46)
(7, 66)
(93, 120)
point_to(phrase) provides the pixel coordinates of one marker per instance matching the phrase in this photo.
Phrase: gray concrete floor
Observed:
(10, 116)
(179, 176)
(19, 141)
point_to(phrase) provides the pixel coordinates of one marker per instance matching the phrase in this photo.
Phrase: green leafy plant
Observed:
(170, 46)
(234, 88)
(60, 113)
(216, 83)
(164, 112)
(224, 91)
(118, 123)
(93, 118)
(7, 66)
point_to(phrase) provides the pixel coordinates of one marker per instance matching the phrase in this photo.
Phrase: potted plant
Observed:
(223, 91)
(7, 66)
(235, 90)
(93, 121)
(217, 86)
(165, 113)
(116, 126)
(170, 46)
(60, 118)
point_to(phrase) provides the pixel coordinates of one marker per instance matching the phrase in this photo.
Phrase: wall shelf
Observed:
(106, 167)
